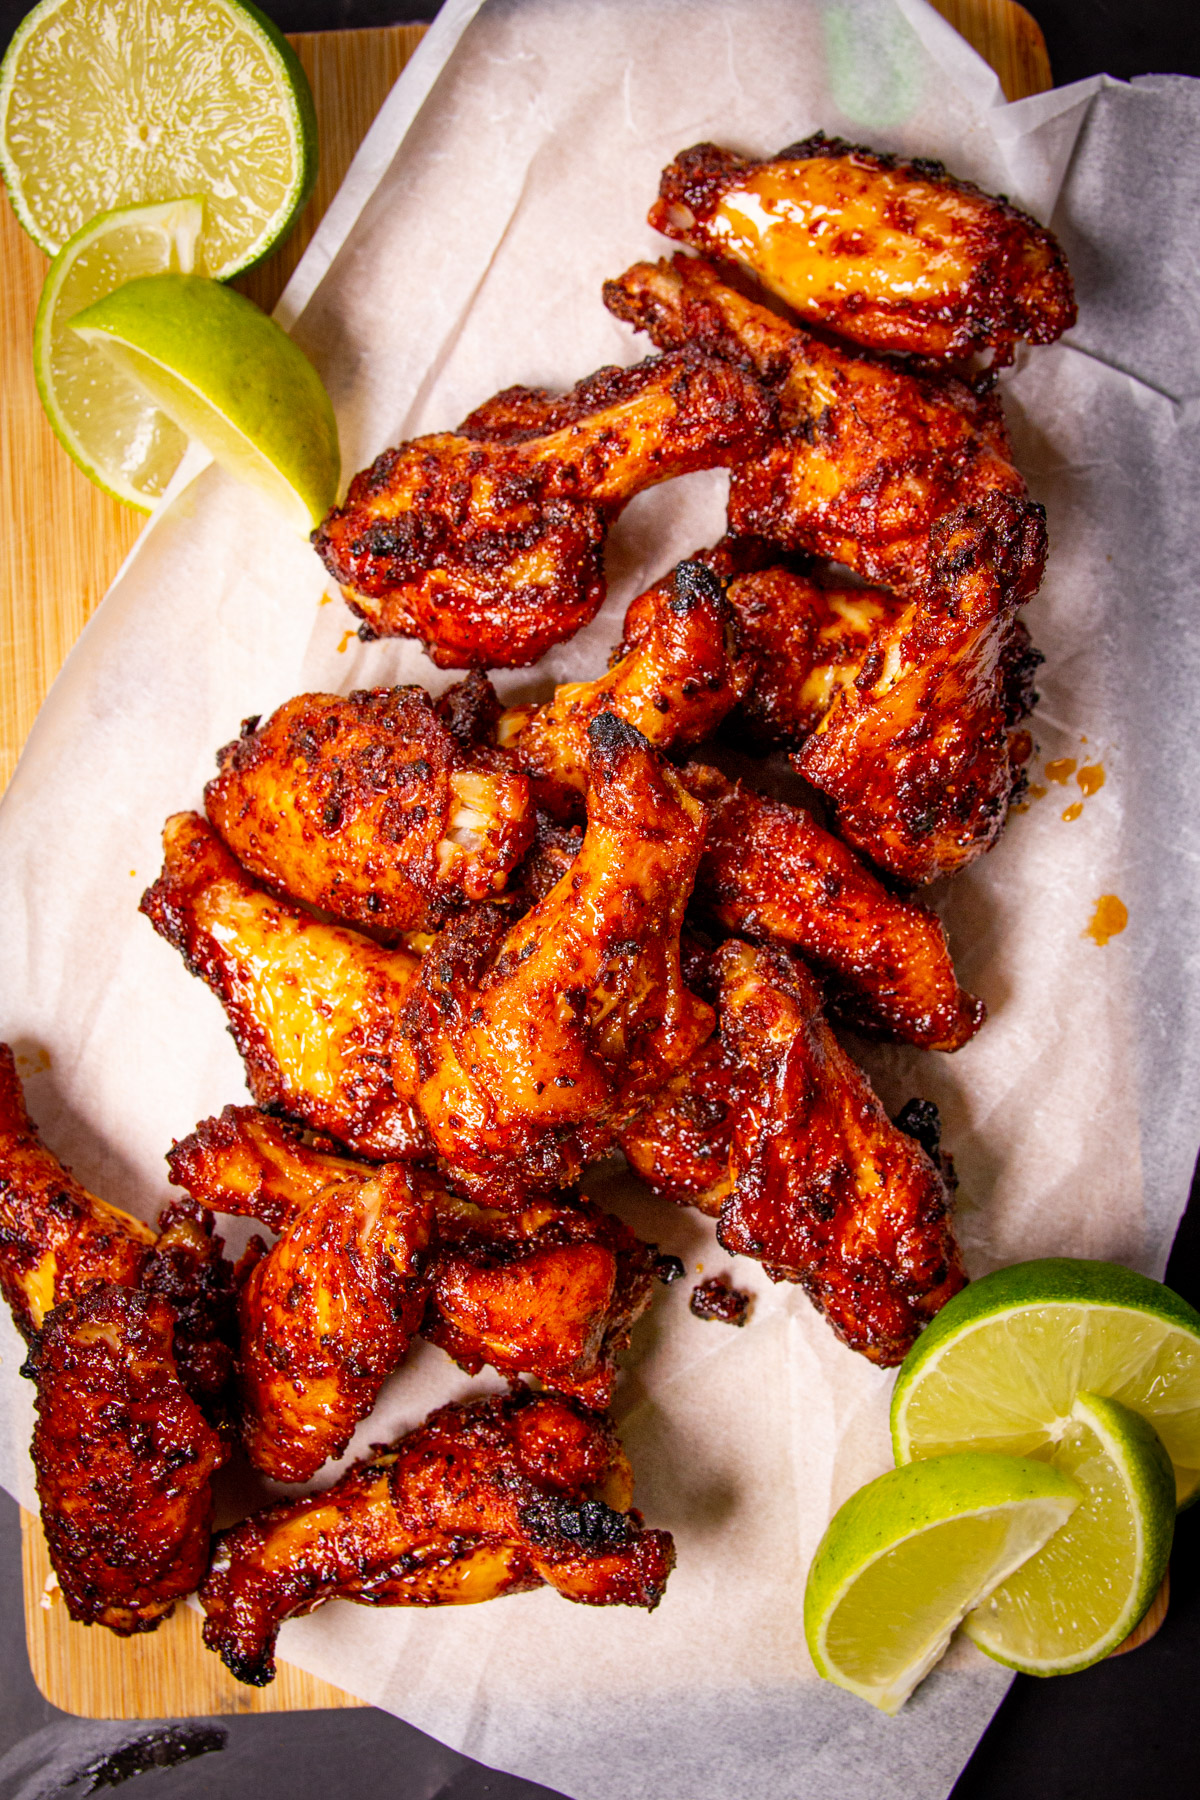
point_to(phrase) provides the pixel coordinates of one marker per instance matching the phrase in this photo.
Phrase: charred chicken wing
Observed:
(895, 254)
(495, 1497)
(866, 457)
(368, 808)
(488, 546)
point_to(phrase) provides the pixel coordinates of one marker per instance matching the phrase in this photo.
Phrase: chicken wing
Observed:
(769, 872)
(675, 686)
(551, 1291)
(124, 1459)
(895, 254)
(866, 457)
(368, 808)
(680, 1143)
(488, 548)
(313, 1007)
(531, 1042)
(826, 1191)
(495, 1497)
(919, 756)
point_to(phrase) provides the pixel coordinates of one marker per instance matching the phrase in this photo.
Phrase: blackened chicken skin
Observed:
(532, 1042)
(489, 548)
(313, 1007)
(894, 254)
(552, 1290)
(866, 457)
(826, 1191)
(496, 1497)
(675, 686)
(367, 808)
(918, 755)
(124, 1460)
(769, 872)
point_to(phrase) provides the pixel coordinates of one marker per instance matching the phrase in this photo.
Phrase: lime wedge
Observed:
(908, 1555)
(117, 436)
(108, 103)
(229, 376)
(1081, 1595)
(1000, 1366)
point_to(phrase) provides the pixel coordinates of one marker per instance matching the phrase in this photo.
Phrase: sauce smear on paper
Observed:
(1110, 917)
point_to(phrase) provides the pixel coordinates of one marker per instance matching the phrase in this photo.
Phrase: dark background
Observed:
(1122, 1731)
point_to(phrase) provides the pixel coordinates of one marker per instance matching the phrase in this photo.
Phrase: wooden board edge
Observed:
(1008, 38)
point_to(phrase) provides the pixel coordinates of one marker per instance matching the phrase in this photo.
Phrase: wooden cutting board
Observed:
(62, 541)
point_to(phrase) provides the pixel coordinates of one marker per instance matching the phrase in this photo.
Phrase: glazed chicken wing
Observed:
(368, 808)
(551, 1291)
(680, 1143)
(895, 254)
(489, 548)
(495, 1497)
(825, 1190)
(531, 1041)
(919, 756)
(313, 1007)
(769, 872)
(866, 457)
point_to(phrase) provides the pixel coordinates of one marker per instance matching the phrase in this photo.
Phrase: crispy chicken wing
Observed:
(866, 458)
(675, 686)
(769, 872)
(495, 1497)
(368, 808)
(825, 1190)
(124, 1459)
(530, 1041)
(487, 545)
(896, 254)
(680, 1143)
(551, 1291)
(313, 1007)
(918, 755)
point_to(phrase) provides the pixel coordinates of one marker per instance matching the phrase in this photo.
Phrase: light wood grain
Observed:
(63, 542)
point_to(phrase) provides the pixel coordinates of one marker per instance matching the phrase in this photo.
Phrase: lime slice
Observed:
(1000, 1366)
(116, 435)
(1078, 1598)
(229, 376)
(107, 103)
(908, 1555)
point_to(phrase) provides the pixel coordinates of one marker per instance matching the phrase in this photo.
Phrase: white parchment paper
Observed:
(508, 175)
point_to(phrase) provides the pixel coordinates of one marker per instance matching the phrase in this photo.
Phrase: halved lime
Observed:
(1081, 1595)
(117, 436)
(228, 376)
(909, 1554)
(1000, 1366)
(108, 103)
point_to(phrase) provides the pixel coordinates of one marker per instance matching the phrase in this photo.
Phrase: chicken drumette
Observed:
(487, 544)
(895, 254)
(495, 1497)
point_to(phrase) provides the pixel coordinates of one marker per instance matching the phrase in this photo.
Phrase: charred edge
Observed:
(609, 735)
(921, 1121)
(668, 1269)
(590, 1527)
(695, 586)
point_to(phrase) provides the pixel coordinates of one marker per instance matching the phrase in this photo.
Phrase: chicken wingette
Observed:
(495, 1497)
(895, 254)
(866, 457)
(487, 544)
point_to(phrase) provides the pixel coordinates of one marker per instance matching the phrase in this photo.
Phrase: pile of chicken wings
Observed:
(467, 950)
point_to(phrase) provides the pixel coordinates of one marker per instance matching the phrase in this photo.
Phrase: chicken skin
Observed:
(825, 1190)
(495, 1497)
(674, 686)
(893, 254)
(124, 1459)
(487, 546)
(56, 1239)
(866, 457)
(532, 1041)
(367, 808)
(680, 1144)
(769, 872)
(919, 756)
(551, 1291)
(313, 1007)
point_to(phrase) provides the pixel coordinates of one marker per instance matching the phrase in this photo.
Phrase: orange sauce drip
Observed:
(346, 636)
(1110, 917)
(1091, 779)
(1061, 769)
(1036, 792)
(1073, 811)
